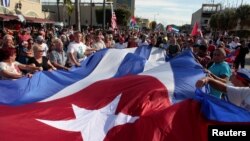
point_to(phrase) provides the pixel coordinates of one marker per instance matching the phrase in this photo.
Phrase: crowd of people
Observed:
(223, 57)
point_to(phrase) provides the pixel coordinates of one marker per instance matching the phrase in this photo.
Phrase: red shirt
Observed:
(24, 37)
(211, 48)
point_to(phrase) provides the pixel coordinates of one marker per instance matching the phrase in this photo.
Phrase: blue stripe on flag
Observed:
(132, 64)
(186, 72)
(143, 51)
(44, 84)
(220, 110)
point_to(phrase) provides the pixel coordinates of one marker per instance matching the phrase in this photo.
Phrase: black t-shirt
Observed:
(44, 63)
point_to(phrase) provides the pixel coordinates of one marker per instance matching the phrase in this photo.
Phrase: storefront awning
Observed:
(38, 20)
(5, 17)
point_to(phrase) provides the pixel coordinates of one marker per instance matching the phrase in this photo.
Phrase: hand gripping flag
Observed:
(117, 95)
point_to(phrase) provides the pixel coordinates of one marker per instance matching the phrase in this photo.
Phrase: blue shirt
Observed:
(220, 69)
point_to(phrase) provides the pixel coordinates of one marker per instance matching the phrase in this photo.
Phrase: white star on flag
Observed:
(93, 124)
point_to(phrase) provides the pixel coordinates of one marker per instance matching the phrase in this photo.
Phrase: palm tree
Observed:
(243, 13)
(58, 10)
(104, 14)
(230, 18)
(153, 25)
(213, 22)
(70, 8)
(77, 14)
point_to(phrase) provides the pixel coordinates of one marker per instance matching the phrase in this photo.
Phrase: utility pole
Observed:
(77, 12)
(104, 14)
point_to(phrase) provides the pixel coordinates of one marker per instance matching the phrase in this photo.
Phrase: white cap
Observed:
(244, 73)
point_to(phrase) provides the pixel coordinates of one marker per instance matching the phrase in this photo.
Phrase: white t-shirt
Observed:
(99, 45)
(239, 96)
(143, 44)
(13, 68)
(77, 49)
(233, 45)
(45, 48)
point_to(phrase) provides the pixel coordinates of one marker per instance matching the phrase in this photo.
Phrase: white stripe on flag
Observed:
(104, 71)
(107, 68)
(164, 73)
(155, 67)
(6, 3)
(157, 54)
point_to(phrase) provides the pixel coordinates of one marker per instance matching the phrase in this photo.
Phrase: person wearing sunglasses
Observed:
(39, 60)
(238, 94)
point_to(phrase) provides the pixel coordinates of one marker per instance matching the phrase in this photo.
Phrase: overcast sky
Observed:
(172, 11)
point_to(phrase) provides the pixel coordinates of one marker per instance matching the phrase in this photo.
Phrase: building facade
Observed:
(27, 8)
(88, 13)
(203, 15)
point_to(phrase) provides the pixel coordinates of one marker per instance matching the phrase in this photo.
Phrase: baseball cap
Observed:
(244, 74)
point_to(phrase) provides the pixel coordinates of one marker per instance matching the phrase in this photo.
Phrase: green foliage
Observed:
(99, 16)
(228, 19)
(213, 22)
(153, 25)
(243, 13)
(122, 16)
(221, 21)
(138, 20)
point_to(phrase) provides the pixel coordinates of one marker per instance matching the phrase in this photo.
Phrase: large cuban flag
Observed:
(117, 95)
